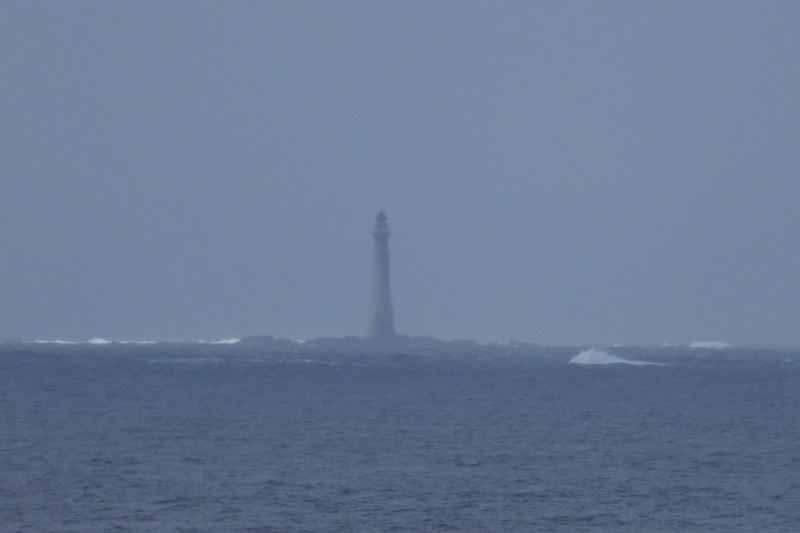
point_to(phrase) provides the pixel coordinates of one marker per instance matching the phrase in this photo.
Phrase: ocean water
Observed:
(207, 441)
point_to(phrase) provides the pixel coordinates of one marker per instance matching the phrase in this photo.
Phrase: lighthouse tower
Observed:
(381, 320)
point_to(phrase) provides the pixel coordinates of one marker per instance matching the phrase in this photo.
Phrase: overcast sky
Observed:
(555, 172)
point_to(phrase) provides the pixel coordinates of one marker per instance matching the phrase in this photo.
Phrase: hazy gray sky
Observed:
(557, 172)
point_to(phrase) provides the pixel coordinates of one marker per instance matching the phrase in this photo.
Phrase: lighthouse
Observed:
(381, 319)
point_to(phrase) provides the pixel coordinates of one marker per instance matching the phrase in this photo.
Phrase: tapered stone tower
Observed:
(381, 319)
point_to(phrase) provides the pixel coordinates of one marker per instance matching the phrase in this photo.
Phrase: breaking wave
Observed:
(101, 341)
(714, 345)
(598, 357)
(93, 340)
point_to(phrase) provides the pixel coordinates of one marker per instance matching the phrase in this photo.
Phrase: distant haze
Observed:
(560, 172)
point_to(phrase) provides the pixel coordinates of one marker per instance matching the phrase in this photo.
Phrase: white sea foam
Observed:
(714, 345)
(225, 341)
(94, 340)
(599, 357)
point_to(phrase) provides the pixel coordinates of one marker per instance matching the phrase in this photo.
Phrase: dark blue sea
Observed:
(202, 440)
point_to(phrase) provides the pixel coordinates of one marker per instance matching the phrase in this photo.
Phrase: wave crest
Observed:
(599, 357)
(713, 345)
